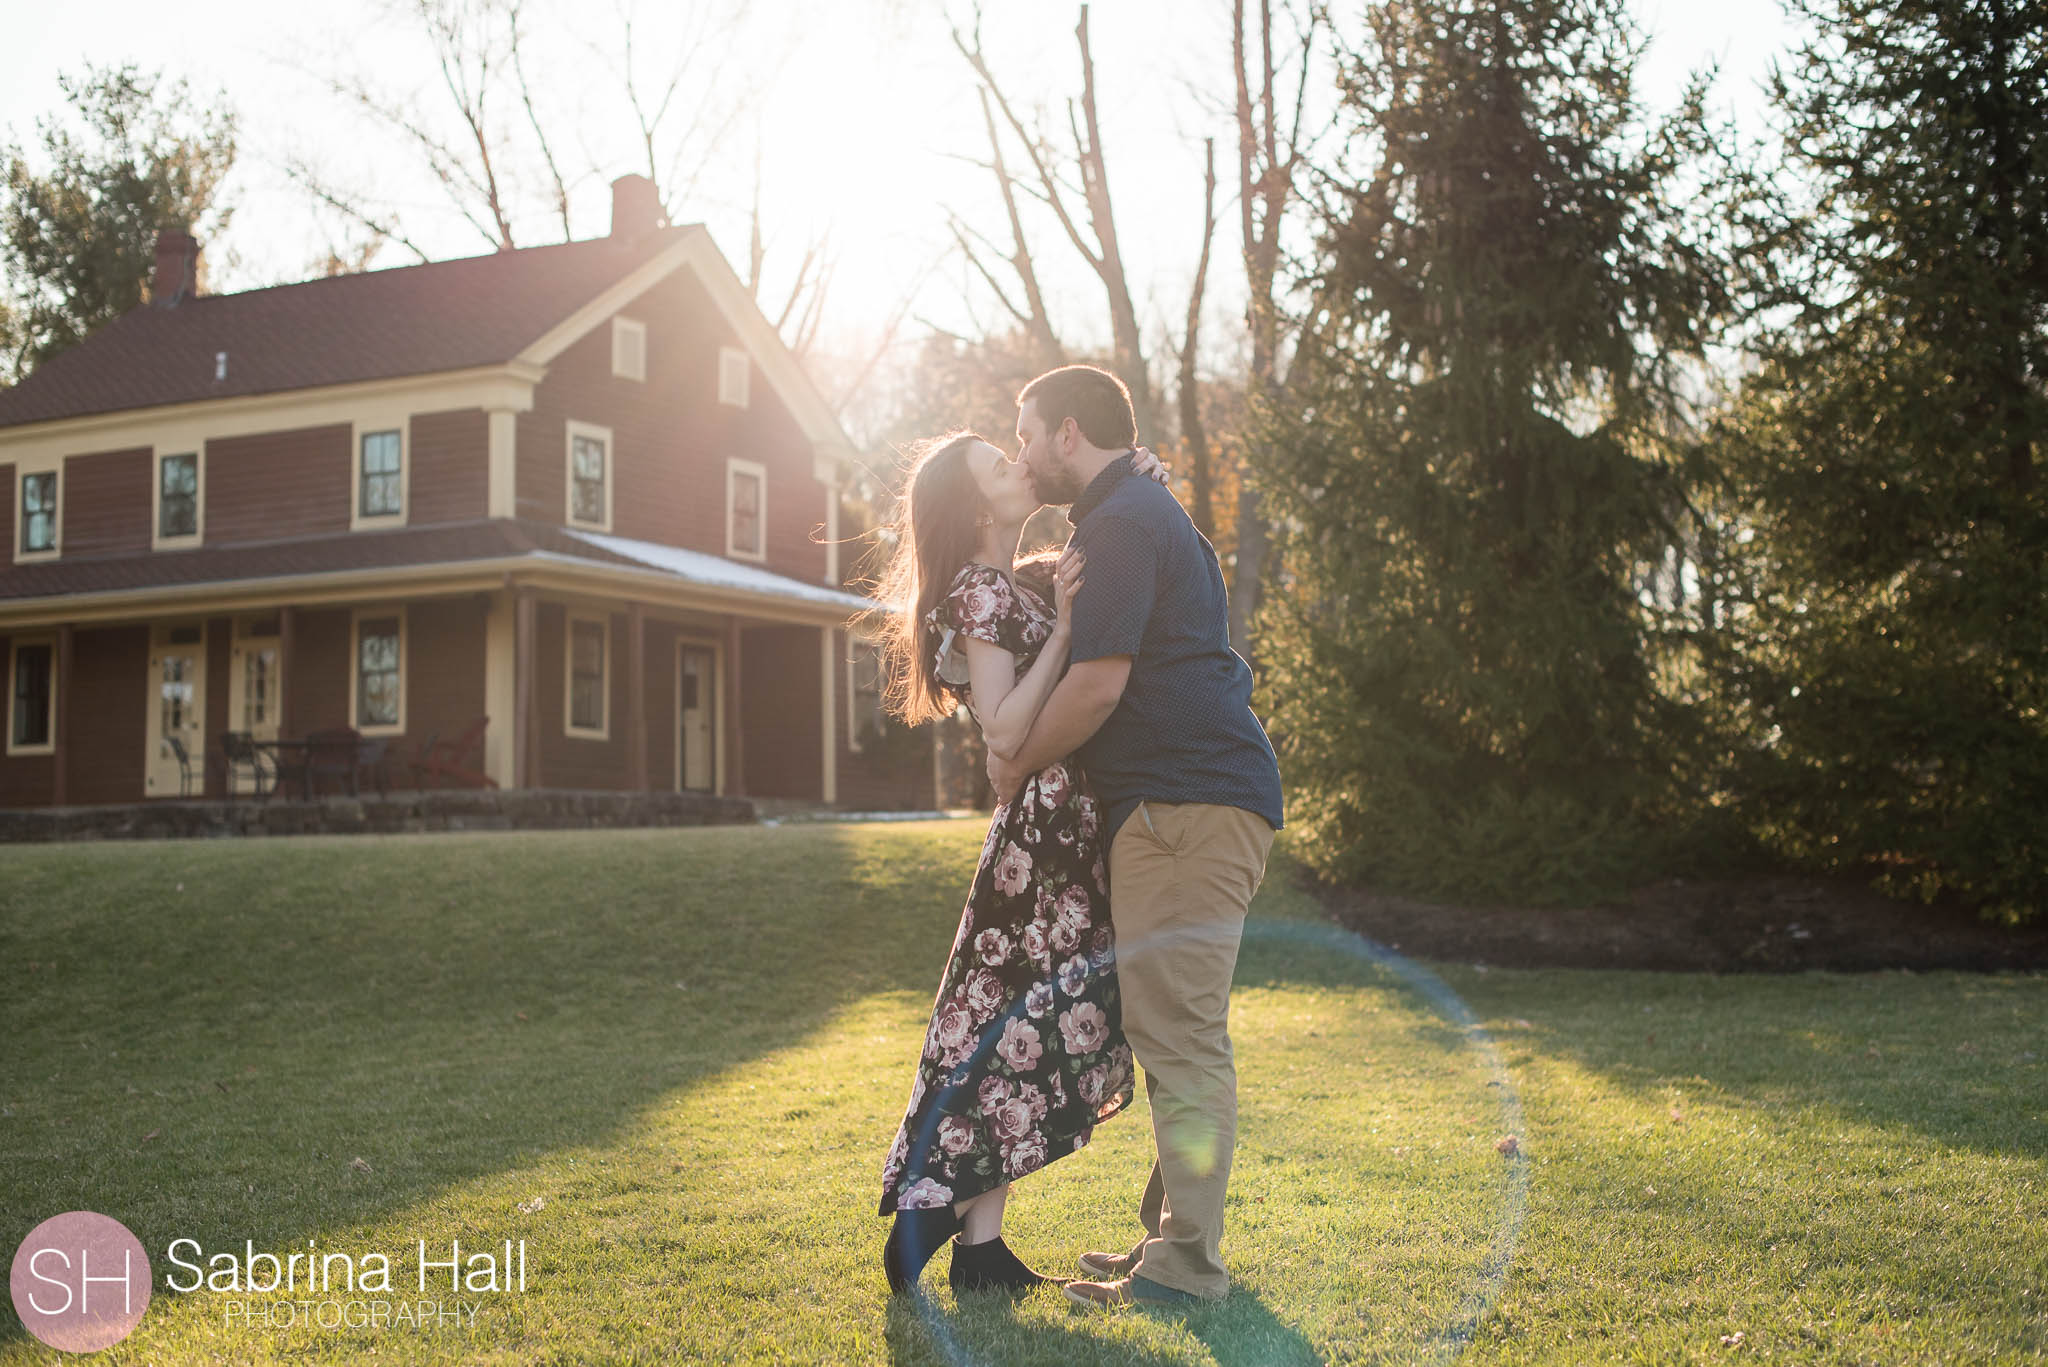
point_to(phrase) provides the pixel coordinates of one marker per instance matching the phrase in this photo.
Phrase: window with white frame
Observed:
(735, 372)
(590, 476)
(589, 657)
(629, 349)
(177, 495)
(746, 509)
(380, 474)
(39, 512)
(377, 686)
(31, 698)
(865, 719)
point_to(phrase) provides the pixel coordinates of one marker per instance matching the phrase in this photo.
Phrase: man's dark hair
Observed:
(1095, 399)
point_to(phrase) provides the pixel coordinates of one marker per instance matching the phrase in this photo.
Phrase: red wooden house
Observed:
(581, 491)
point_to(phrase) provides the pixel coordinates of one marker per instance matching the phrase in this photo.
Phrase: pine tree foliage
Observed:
(1481, 454)
(1886, 453)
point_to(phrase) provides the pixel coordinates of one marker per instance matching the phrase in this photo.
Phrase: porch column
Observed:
(735, 734)
(287, 669)
(636, 697)
(525, 750)
(829, 780)
(61, 699)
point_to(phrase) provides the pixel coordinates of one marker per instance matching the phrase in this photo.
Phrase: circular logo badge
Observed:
(80, 1281)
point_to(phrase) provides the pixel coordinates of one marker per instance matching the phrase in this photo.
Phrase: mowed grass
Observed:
(671, 1061)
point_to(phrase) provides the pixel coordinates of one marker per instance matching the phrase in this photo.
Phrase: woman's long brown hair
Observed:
(935, 536)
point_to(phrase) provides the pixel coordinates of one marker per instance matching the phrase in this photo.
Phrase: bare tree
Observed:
(502, 159)
(1099, 245)
(1194, 437)
(1032, 316)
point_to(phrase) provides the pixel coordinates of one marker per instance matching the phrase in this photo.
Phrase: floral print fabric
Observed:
(1025, 1053)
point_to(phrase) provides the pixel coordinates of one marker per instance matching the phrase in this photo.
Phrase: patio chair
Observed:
(375, 756)
(238, 750)
(184, 759)
(454, 763)
(334, 753)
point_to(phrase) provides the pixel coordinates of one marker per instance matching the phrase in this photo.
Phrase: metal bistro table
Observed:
(340, 753)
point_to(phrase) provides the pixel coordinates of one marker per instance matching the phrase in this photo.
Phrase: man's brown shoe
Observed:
(1127, 1291)
(1107, 1267)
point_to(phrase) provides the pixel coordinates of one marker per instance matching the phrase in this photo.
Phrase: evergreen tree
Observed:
(1478, 461)
(1887, 452)
(79, 236)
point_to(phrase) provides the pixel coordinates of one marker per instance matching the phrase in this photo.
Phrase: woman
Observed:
(1025, 1051)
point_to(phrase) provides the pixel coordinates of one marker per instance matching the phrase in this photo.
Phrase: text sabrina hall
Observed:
(313, 1273)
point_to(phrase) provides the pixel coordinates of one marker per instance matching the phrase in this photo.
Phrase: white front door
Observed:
(696, 718)
(253, 692)
(177, 717)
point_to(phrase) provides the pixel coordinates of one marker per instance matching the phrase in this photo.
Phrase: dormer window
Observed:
(590, 476)
(380, 475)
(629, 349)
(177, 497)
(735, 370)
(39, 513)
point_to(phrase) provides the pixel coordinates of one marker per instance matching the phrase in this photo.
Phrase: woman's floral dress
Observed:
(1025, 1053)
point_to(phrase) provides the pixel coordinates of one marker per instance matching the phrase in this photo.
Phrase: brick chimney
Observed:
(636, 209)
(177, 268)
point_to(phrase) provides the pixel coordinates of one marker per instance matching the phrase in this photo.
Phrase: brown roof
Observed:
(413, 320)
(441, 544)
(447, 543)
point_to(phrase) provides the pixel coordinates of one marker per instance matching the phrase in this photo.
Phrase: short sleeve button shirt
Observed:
(1184, 730)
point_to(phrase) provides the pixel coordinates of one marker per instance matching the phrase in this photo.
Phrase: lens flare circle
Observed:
(1447, 1341)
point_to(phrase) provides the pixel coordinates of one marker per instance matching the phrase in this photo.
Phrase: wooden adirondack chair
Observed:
(454, 763)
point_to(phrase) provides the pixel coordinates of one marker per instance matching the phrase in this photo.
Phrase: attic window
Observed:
(629, 349)
(735, 369)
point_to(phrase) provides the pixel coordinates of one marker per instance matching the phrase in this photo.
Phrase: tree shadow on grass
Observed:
(276, 1040)
(269, 1040)
(1941, 1055)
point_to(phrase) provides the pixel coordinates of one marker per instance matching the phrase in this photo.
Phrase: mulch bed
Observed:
(1755, 924)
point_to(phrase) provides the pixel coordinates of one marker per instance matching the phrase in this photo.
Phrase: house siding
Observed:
(274, 485)
(893, 771)
(671, 437)
(316, 676)
(106, 698)
(444, 675)
(781, 712)
(450, 456)
(109, 698)
(105, 507)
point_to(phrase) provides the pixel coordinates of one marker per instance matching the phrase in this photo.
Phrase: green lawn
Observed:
(670, 1061)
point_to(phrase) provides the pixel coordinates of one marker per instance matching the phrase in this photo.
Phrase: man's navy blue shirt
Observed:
(1184, 730)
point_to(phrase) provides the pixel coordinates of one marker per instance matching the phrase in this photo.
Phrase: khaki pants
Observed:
(1180, 877)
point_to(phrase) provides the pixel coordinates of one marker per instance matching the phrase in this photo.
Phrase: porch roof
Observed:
(328, 560)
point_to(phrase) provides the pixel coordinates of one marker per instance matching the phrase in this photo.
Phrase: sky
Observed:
(862, 122)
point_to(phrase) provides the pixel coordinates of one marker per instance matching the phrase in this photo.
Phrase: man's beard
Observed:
(1056, 486)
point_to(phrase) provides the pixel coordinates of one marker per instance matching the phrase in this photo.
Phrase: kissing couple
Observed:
(1124, 756)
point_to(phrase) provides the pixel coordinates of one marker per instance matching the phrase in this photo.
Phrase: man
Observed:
(1158, 707)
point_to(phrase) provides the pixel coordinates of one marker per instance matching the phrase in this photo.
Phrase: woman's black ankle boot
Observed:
(913, 1239)
(991, 1267)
